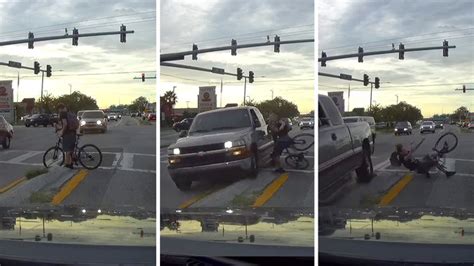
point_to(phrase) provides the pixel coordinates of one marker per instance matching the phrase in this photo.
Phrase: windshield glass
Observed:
(427, 123)
(350, 120)
(93, 115)
(402, 124)
(227, 119)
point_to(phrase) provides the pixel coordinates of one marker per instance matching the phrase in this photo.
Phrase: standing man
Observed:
(279, 129)
(67, 131)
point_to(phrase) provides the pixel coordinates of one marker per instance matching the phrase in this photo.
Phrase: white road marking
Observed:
(382, 165)
(24, 157)
(127, 160)
(116, 159)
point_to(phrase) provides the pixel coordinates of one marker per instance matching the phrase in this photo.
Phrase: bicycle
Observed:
(89, 155)
(301, 142)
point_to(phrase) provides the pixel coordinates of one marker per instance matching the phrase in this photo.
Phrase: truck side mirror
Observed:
(183, 133)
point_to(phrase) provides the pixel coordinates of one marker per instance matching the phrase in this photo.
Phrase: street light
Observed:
(397, 97)
(272, 94)
(70, 89)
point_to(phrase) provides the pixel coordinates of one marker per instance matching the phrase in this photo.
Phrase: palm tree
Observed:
(170, 97)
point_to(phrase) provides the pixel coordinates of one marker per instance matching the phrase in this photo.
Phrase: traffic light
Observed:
(143, 77)
(361, 57)
(276, 47)
(463, 88)
(401, 54)
(123, 35)
(48, 71)
(445, 48)
(234, 48)
(31, 36)
(195, 48)
(250, 76)
(37, 68)
(366, 79)
(75, 39)
(377, 83)
(239, 73)
(323, 61)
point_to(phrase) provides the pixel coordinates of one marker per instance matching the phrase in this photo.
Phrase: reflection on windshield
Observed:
(220, 120)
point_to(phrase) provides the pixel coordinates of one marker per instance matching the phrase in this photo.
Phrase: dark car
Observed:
(39, 120)
(439, 124)
(403, 127)
(183, 124)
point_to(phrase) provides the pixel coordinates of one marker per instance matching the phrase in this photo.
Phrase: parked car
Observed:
(343, 148)
(93, 120)
(39, 120)
(306, 122)
(220, 142)
(6, 133)
(380, 125)
(152, 117)
(427, 126)
(112, 116)
(183, 124)
(403, 127)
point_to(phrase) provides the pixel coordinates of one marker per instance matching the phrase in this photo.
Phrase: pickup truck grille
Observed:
(204, 160)
(196, 149)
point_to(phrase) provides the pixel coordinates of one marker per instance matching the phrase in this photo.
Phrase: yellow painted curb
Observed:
(270, 190)
(395, 190)
(195, 199)
(69, 187)
(12, 184)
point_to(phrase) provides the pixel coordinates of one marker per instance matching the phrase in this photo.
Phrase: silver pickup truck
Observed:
(218, 144)
(343, 148)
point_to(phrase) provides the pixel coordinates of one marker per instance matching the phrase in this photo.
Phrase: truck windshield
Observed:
(350, 120)
(220, 120)
(93, 115)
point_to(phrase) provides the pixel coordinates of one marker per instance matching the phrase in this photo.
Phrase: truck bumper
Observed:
(206, 171)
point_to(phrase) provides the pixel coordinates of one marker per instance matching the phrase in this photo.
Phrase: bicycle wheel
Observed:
(53, 156)
(297, 161)
(303, 141)
(446, 143)
(90, 156)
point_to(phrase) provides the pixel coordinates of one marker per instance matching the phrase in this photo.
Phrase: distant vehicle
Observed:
(23, 118)
(306, 122)
(112, 116)
(427, 126)
(39, 120)
(470, 125)
(403, 127)
(6, 133)
(380, 125)
(152, 117)
(79, 114)
(343, 148)
(439, 124)
(220, 142)
(93, 120)
(119, 116)
(134, 114)
(183, 124)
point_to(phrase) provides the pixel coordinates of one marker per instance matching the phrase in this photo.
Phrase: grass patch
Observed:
(35, 172)
(245, 200)
(41, 197)
(368, 200)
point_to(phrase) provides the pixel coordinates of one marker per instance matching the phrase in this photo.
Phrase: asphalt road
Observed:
(293, 189)
(126, 177)
(397, 186)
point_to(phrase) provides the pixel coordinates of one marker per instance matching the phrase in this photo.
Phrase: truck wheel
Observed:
(27, 125)
(45, 125)
(35, 124)
(183, 185)
(366, 170)
(6, 143)
(253, 172)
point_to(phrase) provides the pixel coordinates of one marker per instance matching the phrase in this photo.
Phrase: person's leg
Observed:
(276, 156)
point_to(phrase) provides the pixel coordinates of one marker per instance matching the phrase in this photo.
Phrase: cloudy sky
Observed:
(425, 79)
(290, 73)
(81, 65)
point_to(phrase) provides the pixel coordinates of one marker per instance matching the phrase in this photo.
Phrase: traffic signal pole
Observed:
(370, 106)
(245, 89)
(42, 82)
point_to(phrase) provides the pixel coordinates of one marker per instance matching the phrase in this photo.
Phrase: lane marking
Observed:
(290, 170)
(128, 169)
(197, 198)
(24, 157)
(12, 184)
(127, 160)
(396, 189)
(66, 190)
(116, 159)
(270, 190)
(382, 165)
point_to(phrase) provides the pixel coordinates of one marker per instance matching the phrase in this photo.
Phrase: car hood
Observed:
(91, 119)
(207, 138)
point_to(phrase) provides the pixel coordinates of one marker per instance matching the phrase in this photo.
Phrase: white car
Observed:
(112, 116)
(306, 123)
(429, 126)
(6, 133)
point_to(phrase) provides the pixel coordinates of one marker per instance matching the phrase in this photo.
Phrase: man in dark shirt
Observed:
(68, 135)
(279, 129)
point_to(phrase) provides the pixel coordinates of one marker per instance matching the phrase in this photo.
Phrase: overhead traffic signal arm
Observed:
(464, 89)
(364, 80)
(401, 53)
(213, 70)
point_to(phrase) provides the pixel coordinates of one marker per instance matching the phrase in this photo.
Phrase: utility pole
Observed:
(397, 97)
(272, 93)
(18, 86)
(221, 92)
(371, 85)
(349, 98)
(70, 89)
(42, 81)
(245, 89)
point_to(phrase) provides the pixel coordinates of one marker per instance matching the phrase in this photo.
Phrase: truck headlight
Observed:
(99, 122)
(176, 151)
(83, 123)
(228, 144)
(405, 129)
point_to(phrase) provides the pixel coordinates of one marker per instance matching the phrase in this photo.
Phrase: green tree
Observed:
(401, 112)
(250, 102)
(460, 113)
(377, 113)
(170, 97)
(279, 106)
(47, 104)
(77, 101)
(138, 105)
